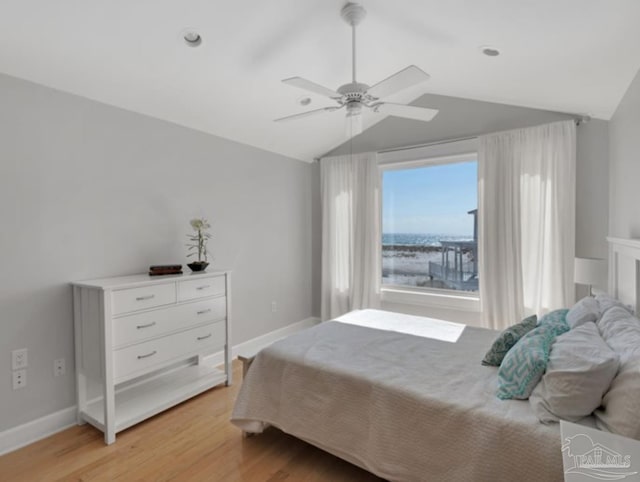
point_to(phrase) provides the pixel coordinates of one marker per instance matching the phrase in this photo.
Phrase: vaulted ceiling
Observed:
(575, 56)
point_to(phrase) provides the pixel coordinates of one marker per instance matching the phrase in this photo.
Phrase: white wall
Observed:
(460, 118)
(592, 189)
(316, 239)
(88, 190)
(624, 167)
(457, 118)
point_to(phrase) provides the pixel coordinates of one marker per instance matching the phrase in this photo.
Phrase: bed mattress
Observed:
(406, 407)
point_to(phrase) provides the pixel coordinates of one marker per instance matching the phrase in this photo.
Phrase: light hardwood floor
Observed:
(193, 441)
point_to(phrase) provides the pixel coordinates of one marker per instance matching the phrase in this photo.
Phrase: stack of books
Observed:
(165, 269)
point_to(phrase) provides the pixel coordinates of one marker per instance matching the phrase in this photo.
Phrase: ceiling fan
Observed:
(356, 96)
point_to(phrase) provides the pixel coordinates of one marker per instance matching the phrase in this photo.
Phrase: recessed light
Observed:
(304, 100)
(192, 38)
(489, 51)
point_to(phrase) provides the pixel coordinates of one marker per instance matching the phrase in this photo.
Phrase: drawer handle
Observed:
(148, 325)
(140, 357)
(204, 312)
(148, 297)
(200, 288)
(204, 337)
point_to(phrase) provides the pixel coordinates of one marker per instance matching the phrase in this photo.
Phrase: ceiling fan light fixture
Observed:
(354, 108)
(353, 124)
(354, 119)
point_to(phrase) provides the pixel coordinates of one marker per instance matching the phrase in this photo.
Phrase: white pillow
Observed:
(605, 301)
(580, 369)
(585, 310)
(621, 404)
(621, 330)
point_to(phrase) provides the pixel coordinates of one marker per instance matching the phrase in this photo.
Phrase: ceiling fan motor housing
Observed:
(354, 92)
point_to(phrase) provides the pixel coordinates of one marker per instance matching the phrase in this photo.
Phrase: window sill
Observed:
(448, 300)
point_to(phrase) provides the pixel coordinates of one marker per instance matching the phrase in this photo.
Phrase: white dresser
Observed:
(141, 344)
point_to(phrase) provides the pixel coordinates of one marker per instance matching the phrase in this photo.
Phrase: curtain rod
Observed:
(435, 143)
(417, 146)
(579, 120)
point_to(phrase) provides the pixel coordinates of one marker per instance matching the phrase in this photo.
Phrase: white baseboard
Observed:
(30, 432)
(27, 433)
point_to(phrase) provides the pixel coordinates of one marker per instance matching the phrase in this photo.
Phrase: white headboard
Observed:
(624, 271)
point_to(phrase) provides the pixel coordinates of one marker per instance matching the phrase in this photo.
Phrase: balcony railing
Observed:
(455, 271)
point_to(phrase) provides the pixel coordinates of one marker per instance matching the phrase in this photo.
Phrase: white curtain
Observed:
(526, 219)
(350, 234)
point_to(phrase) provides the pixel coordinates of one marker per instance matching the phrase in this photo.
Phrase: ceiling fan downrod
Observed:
(353, 14)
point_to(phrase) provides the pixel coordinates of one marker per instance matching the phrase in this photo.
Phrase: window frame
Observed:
(446, 153)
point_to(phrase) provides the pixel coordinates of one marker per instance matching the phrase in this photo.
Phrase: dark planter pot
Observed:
(198, 265)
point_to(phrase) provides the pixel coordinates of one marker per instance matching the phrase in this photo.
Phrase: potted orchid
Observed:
(198, 244)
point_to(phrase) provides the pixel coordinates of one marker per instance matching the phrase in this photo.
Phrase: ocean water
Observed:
(409, 239)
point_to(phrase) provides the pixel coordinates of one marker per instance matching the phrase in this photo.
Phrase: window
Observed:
(429, 225)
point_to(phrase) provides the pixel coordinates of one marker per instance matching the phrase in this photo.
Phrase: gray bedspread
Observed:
(404, 407)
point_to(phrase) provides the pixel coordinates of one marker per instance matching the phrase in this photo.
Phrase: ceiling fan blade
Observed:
(408, 77)
(312, 87)
(307, 114)
(408, 111)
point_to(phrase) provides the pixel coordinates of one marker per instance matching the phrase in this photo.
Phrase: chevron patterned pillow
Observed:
(507, 339)
(525, 363)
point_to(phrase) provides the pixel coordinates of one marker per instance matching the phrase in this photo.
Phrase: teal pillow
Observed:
(524, 365)
(556, 316)
(507, 339)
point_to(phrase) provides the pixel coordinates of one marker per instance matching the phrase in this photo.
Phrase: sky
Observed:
(431, 199)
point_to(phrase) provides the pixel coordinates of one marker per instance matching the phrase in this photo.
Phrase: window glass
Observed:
(429, 226)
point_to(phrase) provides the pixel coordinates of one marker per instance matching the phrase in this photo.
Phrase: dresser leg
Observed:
(81, 396)
(81, 380)
(227, 365)
(109, 415)
(108, 384)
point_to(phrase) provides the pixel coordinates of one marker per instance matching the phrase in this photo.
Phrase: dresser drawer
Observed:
(201, 288)
(141, 326)
(138, 358)
(134, 299)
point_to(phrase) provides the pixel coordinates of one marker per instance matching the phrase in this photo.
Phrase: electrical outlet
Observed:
(274, 307)
(59, 367)
(19, 379)
(19, 359)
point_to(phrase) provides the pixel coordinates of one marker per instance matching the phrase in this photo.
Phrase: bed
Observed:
(406, 398)
(413, 404)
